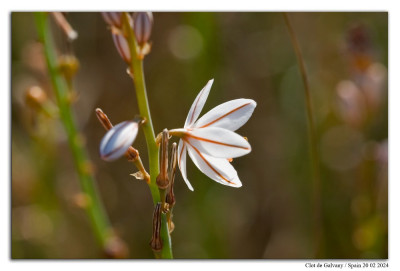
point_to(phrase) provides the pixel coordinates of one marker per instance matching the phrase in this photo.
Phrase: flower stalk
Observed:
(136, 69)
(94, 208)
(317, 190)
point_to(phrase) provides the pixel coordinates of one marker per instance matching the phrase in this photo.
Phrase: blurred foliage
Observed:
(250, 56)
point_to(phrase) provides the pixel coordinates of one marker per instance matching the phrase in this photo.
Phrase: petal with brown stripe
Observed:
(198, 104)
(230, 115)
(182, 162)
(218, 169)
(218, 142)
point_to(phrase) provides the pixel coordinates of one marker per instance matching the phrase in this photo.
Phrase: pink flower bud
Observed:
(113, 18)
(142, 25)
(121, 44)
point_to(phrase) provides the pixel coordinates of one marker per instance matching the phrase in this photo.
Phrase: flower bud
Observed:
(113, 18)
(118, 140)
(121, 44)
(142, 25)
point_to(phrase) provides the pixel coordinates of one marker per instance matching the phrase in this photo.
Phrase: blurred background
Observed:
(250, 55)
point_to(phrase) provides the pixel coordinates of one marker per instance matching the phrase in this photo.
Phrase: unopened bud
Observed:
(121, 44)
(162, 179)
(156, 242)
(113, 18)
(142, 25)
(132, 154)
(118, 140)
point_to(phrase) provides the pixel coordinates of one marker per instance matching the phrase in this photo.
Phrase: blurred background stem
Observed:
(136, 67)
(317, 189)
(94, 207)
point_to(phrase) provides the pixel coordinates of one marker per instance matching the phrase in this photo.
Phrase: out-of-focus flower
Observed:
(118, 139)
(351, 103)
(35, 97)
(359, 46)
(210, 141)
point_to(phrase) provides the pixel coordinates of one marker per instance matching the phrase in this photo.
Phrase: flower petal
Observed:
(230, 115)
(218, 169)
(117, 140)
(218, 142)
(182, 162)
(198, 104)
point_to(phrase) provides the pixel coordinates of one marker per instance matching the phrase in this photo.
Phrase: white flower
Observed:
(118, 139)
(210, 141)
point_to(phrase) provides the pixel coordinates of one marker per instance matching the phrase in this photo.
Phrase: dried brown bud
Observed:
(156, 242)
(104, 120)
(162, 179)
(142, 25)
(113, 18)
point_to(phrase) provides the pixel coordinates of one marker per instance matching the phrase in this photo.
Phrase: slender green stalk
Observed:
(94, 207)
(136, 66)
(317, 191)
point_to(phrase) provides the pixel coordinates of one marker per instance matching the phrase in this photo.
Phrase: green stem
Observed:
(317, 191)
(136, 66)
(94, 208)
